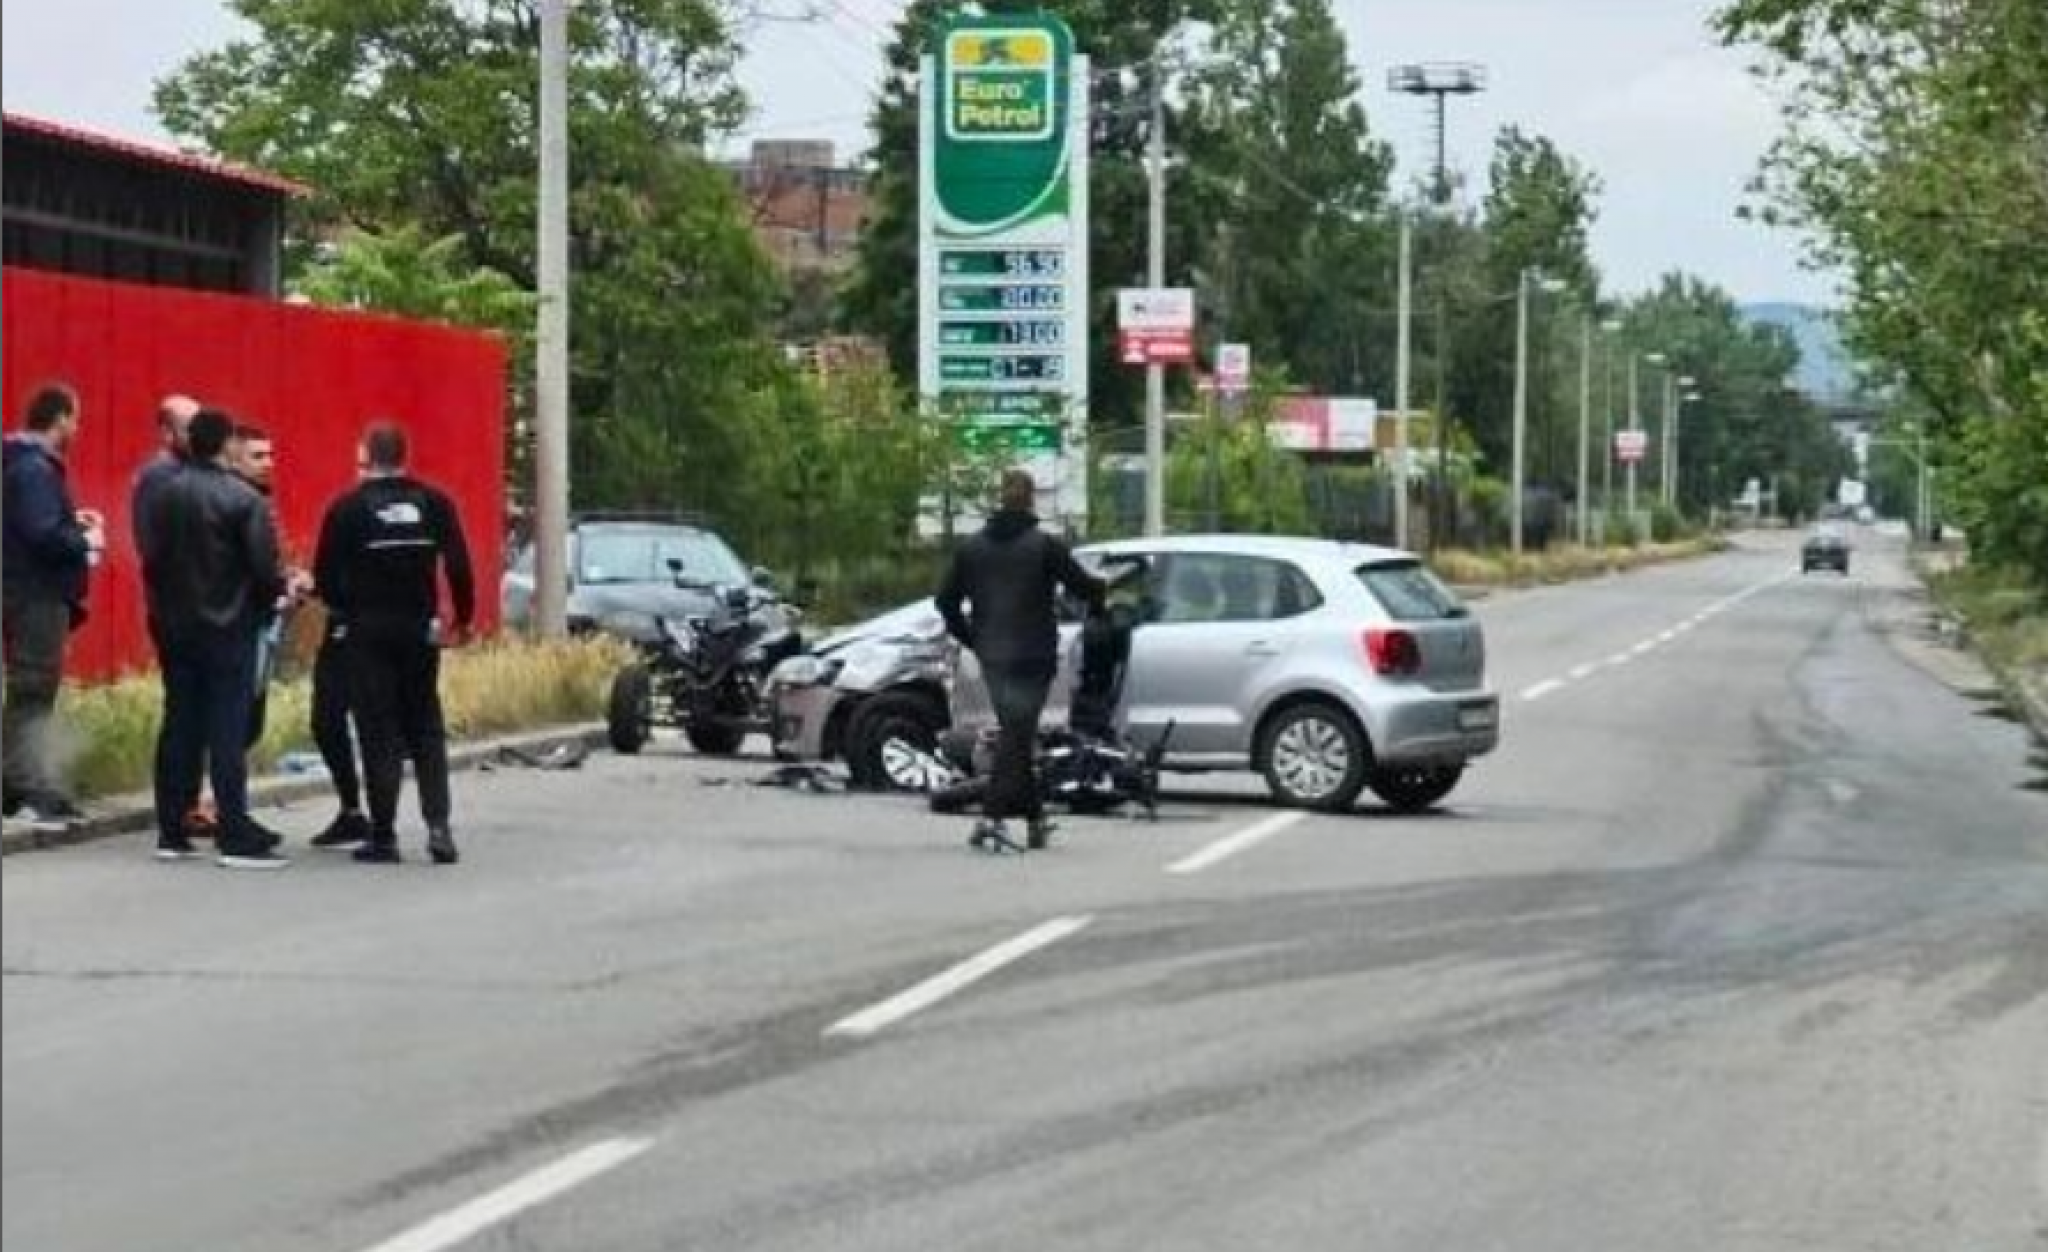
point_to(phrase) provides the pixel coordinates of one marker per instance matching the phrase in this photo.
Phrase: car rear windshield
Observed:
(642, 556)
(1409, 592)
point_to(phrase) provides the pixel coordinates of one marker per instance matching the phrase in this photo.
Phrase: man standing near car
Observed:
(999, 600)
(383, 550)
(210, 566)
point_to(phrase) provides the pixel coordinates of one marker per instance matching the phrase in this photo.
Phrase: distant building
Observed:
(807, 210)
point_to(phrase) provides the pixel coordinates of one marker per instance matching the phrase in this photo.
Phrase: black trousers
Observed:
(331, 733)
(1018, 692)
(209, 680)
(395, 693)
(36, 628)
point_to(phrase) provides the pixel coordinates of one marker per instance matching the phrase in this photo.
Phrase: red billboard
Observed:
(312, 377)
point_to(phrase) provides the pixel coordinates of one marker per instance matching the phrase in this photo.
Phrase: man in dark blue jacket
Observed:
(50, 548)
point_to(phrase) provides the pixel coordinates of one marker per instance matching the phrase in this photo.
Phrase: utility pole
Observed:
(1155, 277)
(551, 368)
(1401, 361)
(1521, 408)
(1585, 428)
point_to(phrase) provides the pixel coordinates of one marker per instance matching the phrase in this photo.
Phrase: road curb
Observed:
(133, 813)
(2031, 708)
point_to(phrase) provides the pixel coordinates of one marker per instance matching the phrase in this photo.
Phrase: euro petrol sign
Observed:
(1003, 234)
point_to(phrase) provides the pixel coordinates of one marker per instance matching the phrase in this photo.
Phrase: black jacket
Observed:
(45, 551)
(209, 552)
(1009, 574)
(382, 547)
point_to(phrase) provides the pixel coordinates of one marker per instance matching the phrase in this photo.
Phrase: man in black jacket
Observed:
(50, 547)
(1010, 574)
(383, 549)
(210, 566)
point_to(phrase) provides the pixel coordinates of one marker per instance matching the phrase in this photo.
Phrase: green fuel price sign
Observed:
(1003, 269)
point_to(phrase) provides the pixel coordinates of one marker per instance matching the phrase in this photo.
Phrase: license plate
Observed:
(1478, 717)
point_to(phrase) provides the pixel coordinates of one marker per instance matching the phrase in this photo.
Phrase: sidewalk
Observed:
(135, 811)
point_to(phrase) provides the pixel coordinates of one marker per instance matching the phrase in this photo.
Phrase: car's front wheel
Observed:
(1414, 790)
(893, 741)
(715, 738)
(1314, 756)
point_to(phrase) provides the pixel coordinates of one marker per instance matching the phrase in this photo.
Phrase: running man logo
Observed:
(999, 85)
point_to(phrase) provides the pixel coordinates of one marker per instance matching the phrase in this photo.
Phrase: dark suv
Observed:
(1825, 548)
(626, 567)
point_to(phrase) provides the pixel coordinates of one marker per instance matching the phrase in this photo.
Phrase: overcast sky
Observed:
(1636, 89)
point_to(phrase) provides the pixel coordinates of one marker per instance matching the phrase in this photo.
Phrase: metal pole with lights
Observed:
(1528, 277)
(551, 365)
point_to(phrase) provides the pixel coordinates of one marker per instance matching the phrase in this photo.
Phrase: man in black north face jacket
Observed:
(1007, 577)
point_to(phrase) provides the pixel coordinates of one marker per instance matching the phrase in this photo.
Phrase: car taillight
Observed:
(1392, 651)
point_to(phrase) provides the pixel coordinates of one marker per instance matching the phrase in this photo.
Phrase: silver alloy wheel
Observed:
(1312, 758)
(906, 766)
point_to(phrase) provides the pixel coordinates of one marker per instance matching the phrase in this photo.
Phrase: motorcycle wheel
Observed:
(715, 739)
(629, 715)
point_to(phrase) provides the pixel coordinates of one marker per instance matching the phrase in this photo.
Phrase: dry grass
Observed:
(1557, 565)
(108, 732)
(2007, 619)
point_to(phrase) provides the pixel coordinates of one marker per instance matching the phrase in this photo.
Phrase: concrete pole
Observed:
(551, 368)
(1521, 410)
(1155, 276)
(1635, 423)
(1670, 440)
(1401, 380)
(1606, 433)
(1585, 430)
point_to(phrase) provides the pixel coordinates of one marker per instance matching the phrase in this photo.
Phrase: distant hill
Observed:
(1826, 371)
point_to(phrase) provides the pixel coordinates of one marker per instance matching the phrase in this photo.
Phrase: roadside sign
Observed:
(1003, 242)
(1631, 446)
(1156, 309)
(1233, 368)
(1155, 347)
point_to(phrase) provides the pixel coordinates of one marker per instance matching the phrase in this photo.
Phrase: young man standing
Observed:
(1010, 575)
(384, 549)
(210, 564)
(50, 548)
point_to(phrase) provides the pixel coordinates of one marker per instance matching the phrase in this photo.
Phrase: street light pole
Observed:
(1521, 408)
(551, 366)
(1155, 276)
(1585, 427)
(1401, 379)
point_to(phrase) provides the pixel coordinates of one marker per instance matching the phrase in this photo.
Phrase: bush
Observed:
(1666, 524)
(503, 685)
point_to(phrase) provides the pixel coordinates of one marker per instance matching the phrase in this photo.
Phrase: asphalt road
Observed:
(1740, 944)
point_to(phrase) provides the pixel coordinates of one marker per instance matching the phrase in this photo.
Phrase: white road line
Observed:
(459, 1225)
(1619, 659)
(968, 972)
(1667, 636)
(1644, 648)
(1543, 689)
(1230, 845)
(1584, 671)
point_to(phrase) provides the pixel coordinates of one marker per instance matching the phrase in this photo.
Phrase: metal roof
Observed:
(147, 154)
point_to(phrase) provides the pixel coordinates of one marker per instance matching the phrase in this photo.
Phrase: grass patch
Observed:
(2006, 617)
(1560, 564)
(108, 731)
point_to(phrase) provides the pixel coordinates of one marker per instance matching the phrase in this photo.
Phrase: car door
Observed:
(1222, 623)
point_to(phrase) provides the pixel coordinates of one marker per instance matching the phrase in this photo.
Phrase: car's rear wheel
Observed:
(1414, 790)
(1314, 756)
(893, 741)
(629, 714)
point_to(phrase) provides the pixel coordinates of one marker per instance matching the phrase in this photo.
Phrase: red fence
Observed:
(312, 377)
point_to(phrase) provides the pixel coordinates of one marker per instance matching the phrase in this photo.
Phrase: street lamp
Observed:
(1438, 80)
(1635, 421)
(1691, 395)
(1611, 327)
(551, 340)
(1667, 456)
(1530, 276)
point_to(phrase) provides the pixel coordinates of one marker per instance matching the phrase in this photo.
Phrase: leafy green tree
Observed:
(1916, 159)
(421, 114)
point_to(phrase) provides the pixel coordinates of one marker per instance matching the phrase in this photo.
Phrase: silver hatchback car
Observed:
(1329, 668)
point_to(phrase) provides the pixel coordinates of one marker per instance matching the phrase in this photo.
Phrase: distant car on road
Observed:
(1327, 668)
(1825, 548)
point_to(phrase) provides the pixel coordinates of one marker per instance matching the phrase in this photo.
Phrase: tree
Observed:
(420, 114)
(1281, 158)
(1916, 158)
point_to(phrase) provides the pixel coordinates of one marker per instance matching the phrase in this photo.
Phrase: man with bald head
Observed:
(173, 420)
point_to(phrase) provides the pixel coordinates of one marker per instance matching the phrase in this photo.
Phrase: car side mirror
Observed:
(739, 599)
